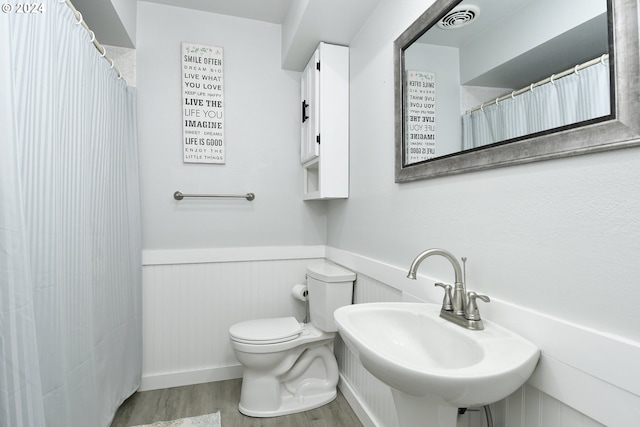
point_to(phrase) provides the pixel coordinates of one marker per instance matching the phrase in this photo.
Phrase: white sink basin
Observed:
(410, 348)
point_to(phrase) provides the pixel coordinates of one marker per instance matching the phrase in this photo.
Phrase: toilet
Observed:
(288, 366)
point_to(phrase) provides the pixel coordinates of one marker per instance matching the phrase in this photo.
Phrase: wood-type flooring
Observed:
(169, 404)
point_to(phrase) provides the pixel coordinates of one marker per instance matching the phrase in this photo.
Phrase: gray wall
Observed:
(262, 138)
(561, 237)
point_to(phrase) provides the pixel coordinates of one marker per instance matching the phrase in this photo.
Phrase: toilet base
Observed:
(292, 405)
(308, 380)
(288, 377)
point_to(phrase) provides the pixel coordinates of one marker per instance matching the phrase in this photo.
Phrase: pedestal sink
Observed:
(432, 365)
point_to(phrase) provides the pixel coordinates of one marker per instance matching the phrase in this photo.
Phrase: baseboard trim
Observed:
(178, 379)
(362, 412)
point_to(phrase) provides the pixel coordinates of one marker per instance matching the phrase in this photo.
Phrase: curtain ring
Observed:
(104, 51)
(482, 107)
(531, 87)
(553, 76)
(110, 60)
(603, 58)
(575, 69)
(93, 36)
(79, 20)
(497, 101)
(513, 95)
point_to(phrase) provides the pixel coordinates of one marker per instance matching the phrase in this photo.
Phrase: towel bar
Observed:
(178, 195)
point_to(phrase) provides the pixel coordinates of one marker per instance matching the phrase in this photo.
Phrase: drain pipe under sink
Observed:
(487, 413)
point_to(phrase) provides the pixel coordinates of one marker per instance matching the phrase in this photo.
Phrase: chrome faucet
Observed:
(460, 308)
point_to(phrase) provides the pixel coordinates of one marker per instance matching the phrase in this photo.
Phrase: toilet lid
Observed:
(266, 331)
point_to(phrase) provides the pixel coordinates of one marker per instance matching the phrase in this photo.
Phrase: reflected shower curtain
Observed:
(70, 262)
(574, 98)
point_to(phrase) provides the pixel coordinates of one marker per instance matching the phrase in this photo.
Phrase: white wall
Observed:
(558, 238)
(553, 243)
(262, 137)
(582, 379)
(211, 263)
(547, 399)
(127, 11)
(112, 21)
(477, 57)
(190, 302)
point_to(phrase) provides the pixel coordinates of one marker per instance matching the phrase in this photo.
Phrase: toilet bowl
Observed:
(278, 376)
(288, 366)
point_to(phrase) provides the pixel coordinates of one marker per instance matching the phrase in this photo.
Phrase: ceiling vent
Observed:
(459, 17)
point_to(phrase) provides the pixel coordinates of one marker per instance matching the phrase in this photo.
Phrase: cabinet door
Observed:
(310, 146)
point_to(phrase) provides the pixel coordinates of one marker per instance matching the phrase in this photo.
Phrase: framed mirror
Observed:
(482, 84)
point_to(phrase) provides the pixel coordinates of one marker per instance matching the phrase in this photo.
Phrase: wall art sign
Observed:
(420, 124)
(203, 104)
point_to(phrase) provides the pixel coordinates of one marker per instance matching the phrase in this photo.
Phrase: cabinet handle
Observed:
(304, 111)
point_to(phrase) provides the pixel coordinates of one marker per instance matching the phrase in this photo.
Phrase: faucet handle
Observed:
(446, 301)
(471, 311)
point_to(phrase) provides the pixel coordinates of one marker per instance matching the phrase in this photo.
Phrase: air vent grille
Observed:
(459, 17)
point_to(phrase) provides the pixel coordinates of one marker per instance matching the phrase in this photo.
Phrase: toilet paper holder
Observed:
(301, 293)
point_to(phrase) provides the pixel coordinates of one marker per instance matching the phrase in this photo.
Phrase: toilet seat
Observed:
(266, 331)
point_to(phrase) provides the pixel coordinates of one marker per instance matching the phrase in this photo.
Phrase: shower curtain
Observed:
(574, 98)
(70, 261)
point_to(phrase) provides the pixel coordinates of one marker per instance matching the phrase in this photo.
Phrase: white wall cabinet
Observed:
(324, 146)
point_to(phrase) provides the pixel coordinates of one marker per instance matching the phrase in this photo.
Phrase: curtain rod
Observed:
(93, 40)
(550, 79)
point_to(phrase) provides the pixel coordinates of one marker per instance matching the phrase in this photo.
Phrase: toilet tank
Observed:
(330, 287)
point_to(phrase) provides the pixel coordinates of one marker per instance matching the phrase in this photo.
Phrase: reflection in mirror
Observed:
(556, 75)
(489, 83)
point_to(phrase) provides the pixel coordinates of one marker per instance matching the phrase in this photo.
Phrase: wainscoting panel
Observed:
(188, 309)
(373, 394)
(191, 298)
(566, 390)
(530, 407)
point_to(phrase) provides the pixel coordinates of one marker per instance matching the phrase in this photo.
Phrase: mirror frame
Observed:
(618, 130)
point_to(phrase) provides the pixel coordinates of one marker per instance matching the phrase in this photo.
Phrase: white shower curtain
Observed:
(574, 98)
(70, 262)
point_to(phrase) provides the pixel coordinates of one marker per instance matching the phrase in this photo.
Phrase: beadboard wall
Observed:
(585, 378)
(528, 406)
(190, 298)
